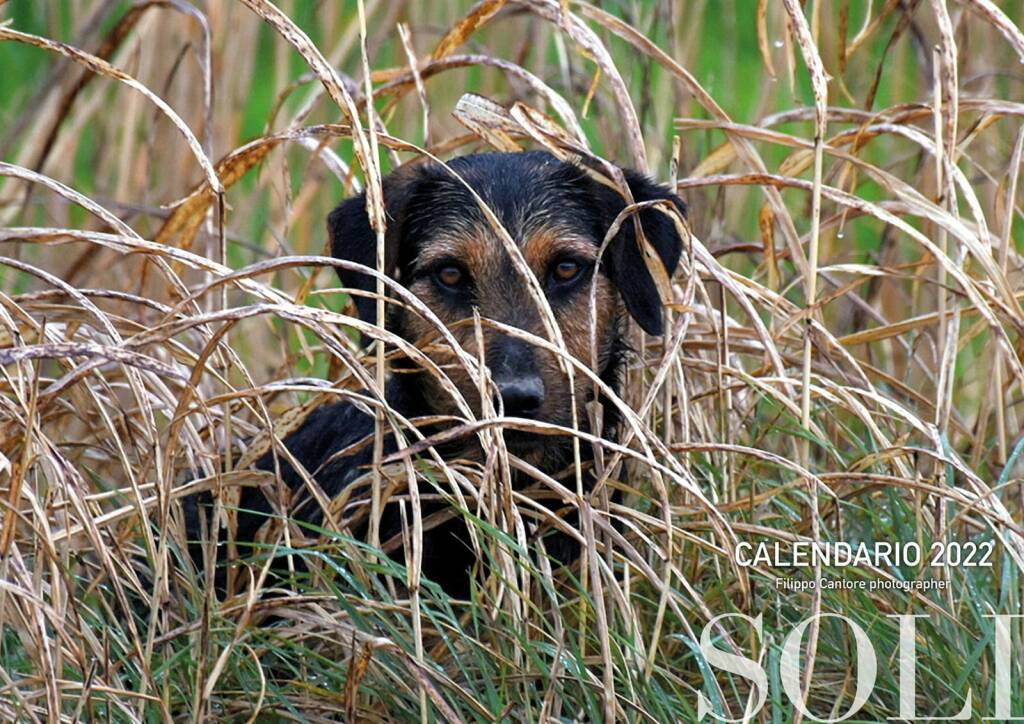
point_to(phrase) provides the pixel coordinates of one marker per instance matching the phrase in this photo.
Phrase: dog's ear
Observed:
(353, 239)
(624, 259)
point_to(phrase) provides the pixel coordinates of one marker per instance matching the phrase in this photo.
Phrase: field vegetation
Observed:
(843, 360)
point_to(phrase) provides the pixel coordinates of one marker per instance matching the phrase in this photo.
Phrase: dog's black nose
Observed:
(522, 396)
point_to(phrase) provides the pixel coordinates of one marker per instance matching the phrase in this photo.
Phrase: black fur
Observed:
(421, 202)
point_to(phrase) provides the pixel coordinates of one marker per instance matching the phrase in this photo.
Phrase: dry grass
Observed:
(844, 359)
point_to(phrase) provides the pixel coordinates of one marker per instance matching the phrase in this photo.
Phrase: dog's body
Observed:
(442, 247)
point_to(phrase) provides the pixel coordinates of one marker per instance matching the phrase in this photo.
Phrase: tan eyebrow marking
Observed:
(439, 249)
(474, 248)
(545, 245)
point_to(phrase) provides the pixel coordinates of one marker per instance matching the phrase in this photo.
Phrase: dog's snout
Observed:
(514, 366)
(522, 396)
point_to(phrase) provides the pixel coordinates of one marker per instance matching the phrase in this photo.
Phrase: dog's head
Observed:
(441, 246)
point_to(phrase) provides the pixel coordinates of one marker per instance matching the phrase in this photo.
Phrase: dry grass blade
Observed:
(111, 43)
(998, 18)
(460, 32)
(102, 67)
(488, 120)
(188, 215)
(762, 37)
(809, 50)
(552, 11)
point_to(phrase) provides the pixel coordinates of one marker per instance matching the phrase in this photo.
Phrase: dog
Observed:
(441, 246)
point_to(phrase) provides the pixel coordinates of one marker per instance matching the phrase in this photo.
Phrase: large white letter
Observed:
(1003, 667)
(739, 665)
(908, 674)
(789, 667)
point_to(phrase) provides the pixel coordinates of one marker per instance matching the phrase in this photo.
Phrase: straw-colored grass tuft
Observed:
(843, 360)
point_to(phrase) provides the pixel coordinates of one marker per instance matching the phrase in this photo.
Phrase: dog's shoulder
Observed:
(328, 430)
(328, 443)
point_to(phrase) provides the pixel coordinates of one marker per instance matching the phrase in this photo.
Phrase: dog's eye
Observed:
(566, 270)
(451, 276)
